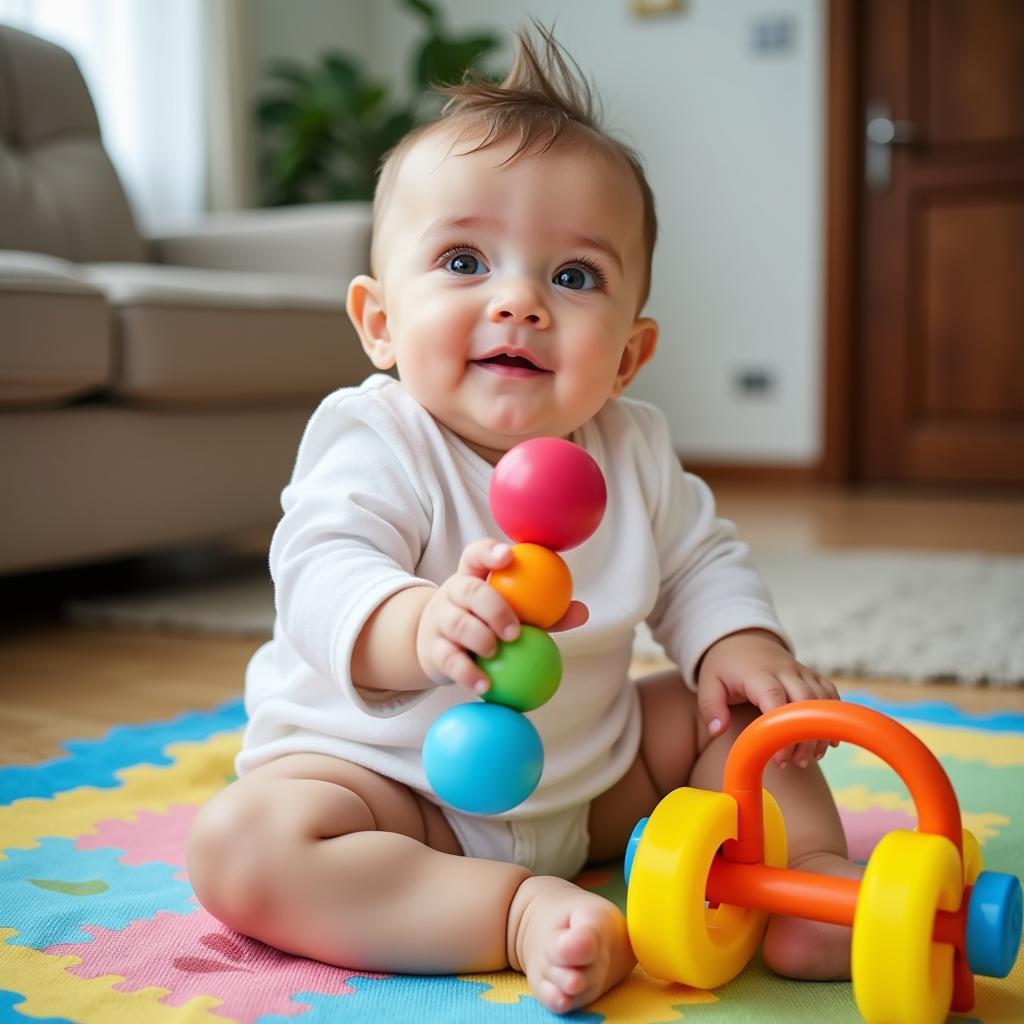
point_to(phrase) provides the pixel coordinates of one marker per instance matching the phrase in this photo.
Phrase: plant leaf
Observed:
(289, 71)
(344, 75)
(393, 129)
(325, 126)
(275, 110)
(370, 97)
(445, 61)
(430, 14)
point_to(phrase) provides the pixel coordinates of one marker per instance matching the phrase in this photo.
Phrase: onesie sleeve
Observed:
(353, 529)
(707, 588)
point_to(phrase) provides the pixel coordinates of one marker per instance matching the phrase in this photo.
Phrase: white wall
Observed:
(733, 142)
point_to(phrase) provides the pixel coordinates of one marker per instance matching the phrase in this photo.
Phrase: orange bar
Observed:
(783, 891)
(804, 894)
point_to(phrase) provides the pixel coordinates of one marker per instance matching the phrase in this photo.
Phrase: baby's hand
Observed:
(754, 666)
(466, 616)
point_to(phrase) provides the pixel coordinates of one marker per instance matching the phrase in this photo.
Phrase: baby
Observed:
(511, 258)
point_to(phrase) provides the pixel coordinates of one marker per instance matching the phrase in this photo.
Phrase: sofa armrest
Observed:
(322, 238)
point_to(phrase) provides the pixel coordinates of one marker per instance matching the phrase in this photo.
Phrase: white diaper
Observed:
(549, 844)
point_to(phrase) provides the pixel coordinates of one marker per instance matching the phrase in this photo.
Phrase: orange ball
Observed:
(536, 583)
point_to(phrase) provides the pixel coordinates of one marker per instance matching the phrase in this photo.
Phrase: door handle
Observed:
(882, 133)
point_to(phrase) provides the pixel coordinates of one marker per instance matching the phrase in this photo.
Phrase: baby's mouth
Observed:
(510, 366)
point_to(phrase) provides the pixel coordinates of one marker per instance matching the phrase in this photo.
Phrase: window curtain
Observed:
(230, 166)
(145, 62)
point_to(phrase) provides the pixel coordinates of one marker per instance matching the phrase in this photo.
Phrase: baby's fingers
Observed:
(465, 630)
(766, 692)
(577, 615)
(824, 689)
(799, 686)
(473, 597)
(456, 666)
(480, 557)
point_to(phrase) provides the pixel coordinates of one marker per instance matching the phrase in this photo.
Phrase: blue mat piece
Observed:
(941, 714)
(94, 762)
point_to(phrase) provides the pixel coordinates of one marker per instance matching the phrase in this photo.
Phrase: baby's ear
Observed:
(366, 311)
(643, 340)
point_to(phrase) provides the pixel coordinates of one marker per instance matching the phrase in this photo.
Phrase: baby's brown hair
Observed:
(544, 98)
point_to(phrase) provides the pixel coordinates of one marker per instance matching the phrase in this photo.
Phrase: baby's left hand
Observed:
(753, 666)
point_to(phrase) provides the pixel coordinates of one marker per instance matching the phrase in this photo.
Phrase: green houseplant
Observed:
(324, 128)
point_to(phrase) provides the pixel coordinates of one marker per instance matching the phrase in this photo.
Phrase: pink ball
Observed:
(548, 491)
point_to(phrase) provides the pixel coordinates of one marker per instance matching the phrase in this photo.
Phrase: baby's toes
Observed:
(567, 979)
(577, 946)
(551, 996)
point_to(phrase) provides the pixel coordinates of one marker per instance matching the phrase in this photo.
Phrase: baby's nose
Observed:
(519, 305)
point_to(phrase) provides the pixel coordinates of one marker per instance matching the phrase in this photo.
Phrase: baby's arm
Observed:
(713, 614)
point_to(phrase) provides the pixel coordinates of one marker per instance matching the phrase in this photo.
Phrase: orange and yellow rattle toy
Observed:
(706, 869)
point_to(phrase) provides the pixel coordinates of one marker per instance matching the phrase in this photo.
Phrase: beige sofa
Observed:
(152, 390)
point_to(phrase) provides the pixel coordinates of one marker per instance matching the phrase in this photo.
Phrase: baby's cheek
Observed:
(594, 359)
(455, 310)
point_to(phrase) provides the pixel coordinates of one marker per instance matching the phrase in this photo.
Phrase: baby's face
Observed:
(507, 295)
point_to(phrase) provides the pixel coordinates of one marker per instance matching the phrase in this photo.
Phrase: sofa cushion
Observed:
(187, 335)
(56, 340)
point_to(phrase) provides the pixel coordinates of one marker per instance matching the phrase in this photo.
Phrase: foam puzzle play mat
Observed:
(99, 925)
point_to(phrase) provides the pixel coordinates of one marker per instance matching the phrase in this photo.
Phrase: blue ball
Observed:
(483, 758)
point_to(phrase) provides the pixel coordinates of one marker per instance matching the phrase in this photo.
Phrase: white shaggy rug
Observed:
(871, 613)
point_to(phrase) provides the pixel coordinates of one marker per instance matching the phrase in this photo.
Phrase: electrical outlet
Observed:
(755, 381)
(773, 34)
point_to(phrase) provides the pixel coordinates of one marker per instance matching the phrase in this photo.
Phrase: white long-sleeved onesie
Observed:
(383, 497)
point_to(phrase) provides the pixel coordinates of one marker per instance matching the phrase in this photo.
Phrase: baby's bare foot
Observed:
(571, 944)
(810, 950)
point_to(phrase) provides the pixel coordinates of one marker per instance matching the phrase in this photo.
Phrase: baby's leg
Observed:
(326, 859)
(677, 750)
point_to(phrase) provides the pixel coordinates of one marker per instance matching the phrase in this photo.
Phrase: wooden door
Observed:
(939, 350)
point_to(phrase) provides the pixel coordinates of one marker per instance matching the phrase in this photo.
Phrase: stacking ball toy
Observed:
(483, 758)
(486, 757)
(525, 672)
(537, 585)
(548, 491)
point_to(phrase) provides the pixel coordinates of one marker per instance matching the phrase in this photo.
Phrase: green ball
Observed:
(525, 672)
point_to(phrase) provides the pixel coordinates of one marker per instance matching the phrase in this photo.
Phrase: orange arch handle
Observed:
(930, 788)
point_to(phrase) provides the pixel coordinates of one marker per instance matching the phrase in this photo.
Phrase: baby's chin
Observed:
(489, 445)
(492, 452)
(491, 440)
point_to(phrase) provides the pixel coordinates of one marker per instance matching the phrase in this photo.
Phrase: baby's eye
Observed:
(579, 277)
(466, 263)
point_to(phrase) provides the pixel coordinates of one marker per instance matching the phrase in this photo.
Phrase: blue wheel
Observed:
(634, 842)
(994, 924)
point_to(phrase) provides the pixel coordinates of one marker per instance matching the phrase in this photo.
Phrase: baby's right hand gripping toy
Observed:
(486, 757)
(706, 869)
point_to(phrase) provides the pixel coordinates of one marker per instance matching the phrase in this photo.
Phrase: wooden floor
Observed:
(59, 682)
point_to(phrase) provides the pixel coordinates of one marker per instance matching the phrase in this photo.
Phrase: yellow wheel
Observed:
(974, 863)
(675, 936)
(900, 975)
